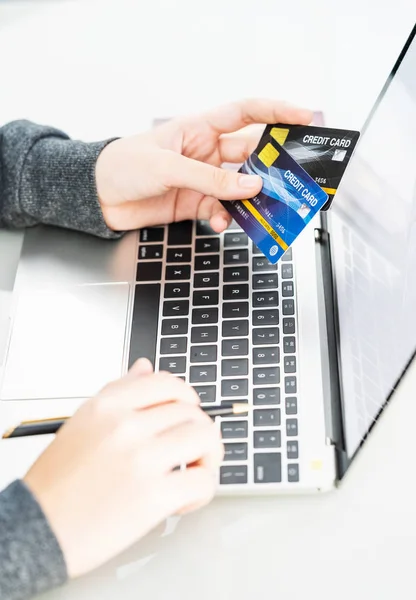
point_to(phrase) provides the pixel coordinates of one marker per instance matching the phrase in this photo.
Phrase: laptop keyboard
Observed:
(211, 308)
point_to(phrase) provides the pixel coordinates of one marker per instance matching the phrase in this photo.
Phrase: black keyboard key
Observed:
(234, 328)
(177, 290)
(266, 317)
(266, 417)
(152, 234)
(234, 429)
(232, 310)
(255, 250)
(269, 355)
(234, 367)
(232, 475)
(204, 315)
(204, 228)
(266, 396)
(203, 354)
(268, 281)
(206, 393)
(150, 252)
(234, 387)
(291, 427)
(288, 289)
(287, 271)
(237, 451)
(265, 299)
(149, 271)
(266, 375)
(288, 306)
(173, 364)
(260, 263)
(235, 257)
(235, 292)
(205, 298)
(290, 364)
(178, 272)
(206, 280)
(237, 347)
(289, 345)
(179, 255)
(204, 246)
(291, 405)
(202, 374)
(265, 335)
(232, 274)
(236, 239)
(267, 439)
(287, 255)
(268, 467)
(206, 262)
(180, 234)
(293, 473)
(145, 322)
(204, 335)
(289, 325)
(174, 345)
(174, 326)
(292, 449)
(291, 386)
(175, 308)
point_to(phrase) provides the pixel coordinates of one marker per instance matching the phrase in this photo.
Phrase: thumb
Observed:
(141, 367)
(187, 173)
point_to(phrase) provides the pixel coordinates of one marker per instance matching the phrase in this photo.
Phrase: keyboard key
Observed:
(227, 402)
(291, 405)
(237, 451)
(265, 282)
(266, 396)
(291, 386)
(174, 326)
(206, 280)
(204, 315)
(203, 373)
(288, 306)
(260, 263)
(288, 289)
(289, 345)
(289, 325)
(290, 364)
(231, 310)
(287, 271)
(175, 308)
(255, 250)
(291, 427)
(232, 274)
(179, 255)
(150, 252)
(152, 234)
(268, 467)
(234, 429)
(292, 449)
(180, 234)
(234, 328)
(206, 393)
(234, 387)
(145, 322)
(206, 245)
(268, 355)
(265, 335)
(235, 292)
(235, 239)
(175, 345)
(235, 257)
(267, 439)
(178, 272)
(205, 298)
(266, 375)
(207, 262)
(293, 473)
(265, 299)
(177, 290)
(231, 475)
(287, 255)
(237, 347)
(204, 228)
(173, 364)
(234, 367)
(151, 271)
(204, 334)
(266, 417)
(202, 354)
(265, 317)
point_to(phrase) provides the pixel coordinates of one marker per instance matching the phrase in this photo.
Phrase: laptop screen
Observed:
(373, 244)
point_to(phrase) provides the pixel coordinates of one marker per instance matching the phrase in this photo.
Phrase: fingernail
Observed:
(249, 181)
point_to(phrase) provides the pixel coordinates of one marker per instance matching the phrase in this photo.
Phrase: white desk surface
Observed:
(97, 69)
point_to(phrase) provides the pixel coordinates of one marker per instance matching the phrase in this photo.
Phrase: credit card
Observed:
(288, 200)
(323, 152)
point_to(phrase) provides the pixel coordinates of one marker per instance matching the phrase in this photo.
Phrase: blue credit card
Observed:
(287, 202)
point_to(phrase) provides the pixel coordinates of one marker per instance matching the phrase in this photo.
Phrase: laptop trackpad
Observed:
(66, 342)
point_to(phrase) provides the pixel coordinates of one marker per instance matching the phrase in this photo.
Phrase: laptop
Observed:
(317, 344)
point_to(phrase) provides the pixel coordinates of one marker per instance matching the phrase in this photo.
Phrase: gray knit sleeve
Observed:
(31, 560)
(47, 178)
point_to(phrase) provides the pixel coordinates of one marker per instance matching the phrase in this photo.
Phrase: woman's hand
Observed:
(108, 477)
(173, 172)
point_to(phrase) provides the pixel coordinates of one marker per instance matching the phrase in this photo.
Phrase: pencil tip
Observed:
(239, 408)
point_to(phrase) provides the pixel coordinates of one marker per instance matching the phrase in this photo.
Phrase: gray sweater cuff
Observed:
(31, 560)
